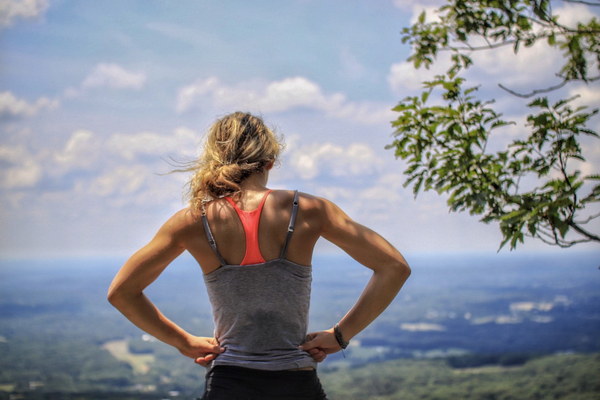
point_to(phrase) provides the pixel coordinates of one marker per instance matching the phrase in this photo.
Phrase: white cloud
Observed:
(417, 7)
(572, 14)
(410, 4)
(122, 180)
(81, 151)
(115, 77)
(21, 170)
(356, 159)
(130, 146)
(278, 96)
(431, 14)
(523, 71)
(588, 95)
(275, 96)
(422, 327)
(10, 10)
(405, 79)
(297, 92)
(11, 106)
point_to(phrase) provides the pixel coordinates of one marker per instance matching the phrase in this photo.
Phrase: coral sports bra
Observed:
(250, 221)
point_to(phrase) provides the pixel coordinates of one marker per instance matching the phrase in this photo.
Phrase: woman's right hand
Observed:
(202, 349)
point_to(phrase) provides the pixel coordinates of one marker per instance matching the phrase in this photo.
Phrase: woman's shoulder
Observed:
(183, 220)
(307, 201)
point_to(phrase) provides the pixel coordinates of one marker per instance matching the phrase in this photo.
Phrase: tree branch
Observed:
(553, 239)
(476, 48)
(590, 218)
(534, 92)
(587, 3)
(548, 89)
(583, 232)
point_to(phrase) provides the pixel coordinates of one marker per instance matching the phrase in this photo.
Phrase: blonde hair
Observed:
(236, 146)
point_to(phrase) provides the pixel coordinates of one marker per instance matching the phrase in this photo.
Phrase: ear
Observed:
(269, 165)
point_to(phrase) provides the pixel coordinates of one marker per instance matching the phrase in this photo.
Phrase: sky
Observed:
(98, 100)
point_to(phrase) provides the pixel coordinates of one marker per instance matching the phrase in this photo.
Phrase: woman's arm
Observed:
(390, 271)
(126, 293)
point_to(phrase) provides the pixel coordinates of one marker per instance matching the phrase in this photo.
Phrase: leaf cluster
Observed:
(529, 188)
(465, 26)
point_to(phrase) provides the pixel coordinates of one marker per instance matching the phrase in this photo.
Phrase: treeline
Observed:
(480, 360)
(558, 377)
(93, 395)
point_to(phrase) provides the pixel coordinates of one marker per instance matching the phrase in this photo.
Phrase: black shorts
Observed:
(237, 383)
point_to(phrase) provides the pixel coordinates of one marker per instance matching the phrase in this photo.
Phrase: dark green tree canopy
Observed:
(533, 186)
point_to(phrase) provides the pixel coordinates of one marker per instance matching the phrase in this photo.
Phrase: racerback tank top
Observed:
(260, 310)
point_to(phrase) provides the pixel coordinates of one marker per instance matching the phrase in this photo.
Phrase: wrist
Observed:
(183, 341)
(339, 337)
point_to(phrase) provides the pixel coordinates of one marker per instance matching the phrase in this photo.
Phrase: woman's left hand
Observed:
(319, 344)
(202, 349)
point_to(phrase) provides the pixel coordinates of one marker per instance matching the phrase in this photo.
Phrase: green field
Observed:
(119, 349)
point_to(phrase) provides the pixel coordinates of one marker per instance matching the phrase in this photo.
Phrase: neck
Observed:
(257, 182)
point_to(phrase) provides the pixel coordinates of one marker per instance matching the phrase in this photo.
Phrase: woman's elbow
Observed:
(116, 296)
(113, 296)
(401, 271)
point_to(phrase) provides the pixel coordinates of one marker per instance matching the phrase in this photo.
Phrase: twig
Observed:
(475, 48)
(587, 220)
(549, 89)
(534, 92)
(589, 3)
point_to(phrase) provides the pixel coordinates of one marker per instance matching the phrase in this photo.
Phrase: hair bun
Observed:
(236, 146)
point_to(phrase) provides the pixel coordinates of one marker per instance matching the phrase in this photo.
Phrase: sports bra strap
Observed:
(211, 239)
(291, 225)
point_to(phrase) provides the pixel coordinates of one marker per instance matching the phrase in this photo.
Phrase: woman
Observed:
(254, 246)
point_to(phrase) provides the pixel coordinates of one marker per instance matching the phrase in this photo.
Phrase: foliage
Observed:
(531, 187)
(554, 377)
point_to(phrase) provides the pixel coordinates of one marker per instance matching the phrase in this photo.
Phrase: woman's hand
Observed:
(202, 349)
(319, 344)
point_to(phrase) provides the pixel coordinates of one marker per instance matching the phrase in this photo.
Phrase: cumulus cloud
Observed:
(571, 14)
(114, 76)
(405, 79)
(588, 95)
(122, 180)
(312, 160)
(275, 96)
(409, 4)
(521, 72)
(130, 146)
(278, 96)
(80, 152)
(417, 7)
(21, 170)
(13, 107)
(11, 10)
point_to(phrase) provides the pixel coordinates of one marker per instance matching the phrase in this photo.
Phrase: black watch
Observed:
(339, 338)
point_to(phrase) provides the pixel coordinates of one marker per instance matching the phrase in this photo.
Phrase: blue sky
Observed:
(96, 95)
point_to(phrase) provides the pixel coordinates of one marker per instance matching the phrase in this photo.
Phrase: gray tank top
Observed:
(261, 310)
